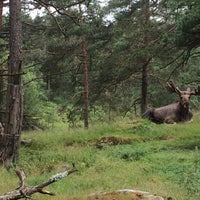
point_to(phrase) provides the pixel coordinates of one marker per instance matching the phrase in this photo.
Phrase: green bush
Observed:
(38, 111)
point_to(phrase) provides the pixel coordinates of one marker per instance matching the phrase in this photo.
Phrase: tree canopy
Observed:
(133, 48)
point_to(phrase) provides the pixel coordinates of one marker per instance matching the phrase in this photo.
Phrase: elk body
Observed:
(175, 112)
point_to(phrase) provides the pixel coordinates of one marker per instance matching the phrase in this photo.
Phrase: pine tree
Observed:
(14, 110)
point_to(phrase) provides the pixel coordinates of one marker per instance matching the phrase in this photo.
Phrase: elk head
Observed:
(183, 94)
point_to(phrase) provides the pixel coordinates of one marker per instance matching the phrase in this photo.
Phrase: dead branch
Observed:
(25, 191)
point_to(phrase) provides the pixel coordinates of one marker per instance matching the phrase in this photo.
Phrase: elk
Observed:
(175, 112)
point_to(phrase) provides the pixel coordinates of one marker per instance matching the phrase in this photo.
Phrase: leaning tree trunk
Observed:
(11, 139)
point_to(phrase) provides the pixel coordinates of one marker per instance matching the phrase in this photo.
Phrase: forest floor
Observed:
(126, 154)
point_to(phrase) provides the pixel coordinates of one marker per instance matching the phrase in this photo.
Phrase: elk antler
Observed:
(172, 88)
(196, 91)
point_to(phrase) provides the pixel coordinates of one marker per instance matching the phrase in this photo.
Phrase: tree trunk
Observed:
(1, 12)
(14, 112)
(1, 96)
(146, 63)
(85, 81)
(1, 70)
(144, 88)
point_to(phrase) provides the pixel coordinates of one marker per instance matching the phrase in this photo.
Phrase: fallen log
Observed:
(25, 191)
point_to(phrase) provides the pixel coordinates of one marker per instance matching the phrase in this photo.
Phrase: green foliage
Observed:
(50, 114)
(98, 114)
(38, 110)
(117, 50)
(34, 94)
(188, 29)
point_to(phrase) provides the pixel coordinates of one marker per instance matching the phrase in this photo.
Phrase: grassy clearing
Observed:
(161, 159)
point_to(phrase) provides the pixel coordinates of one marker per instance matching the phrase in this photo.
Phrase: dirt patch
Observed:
(165, 137)
(114, 140)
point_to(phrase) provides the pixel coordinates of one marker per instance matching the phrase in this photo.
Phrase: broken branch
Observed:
(25, 191)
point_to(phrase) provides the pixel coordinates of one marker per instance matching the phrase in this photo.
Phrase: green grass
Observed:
(161, 159)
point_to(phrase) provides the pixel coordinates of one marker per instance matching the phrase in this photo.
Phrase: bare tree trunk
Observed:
(1, 96)
(48, 81)
(85, 81)
(1, 70)
(144, 88)
(146, 63)
(1, 12)
(14, 112)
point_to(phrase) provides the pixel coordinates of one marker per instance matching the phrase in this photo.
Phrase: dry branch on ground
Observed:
(25, 191)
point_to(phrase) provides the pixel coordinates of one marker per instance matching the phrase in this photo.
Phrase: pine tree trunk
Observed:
(1, 12)
(85, 81)
(11, 139)
(1, 70)
(144, 88)
(146, 63)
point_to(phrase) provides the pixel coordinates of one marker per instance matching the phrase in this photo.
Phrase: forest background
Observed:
(88, 61)
(84, 62)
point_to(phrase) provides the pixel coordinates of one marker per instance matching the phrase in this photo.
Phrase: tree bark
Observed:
(14, 108)
(144, 88)
(85, 82)
(1, 70)
(145, 66)
(1, 12)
